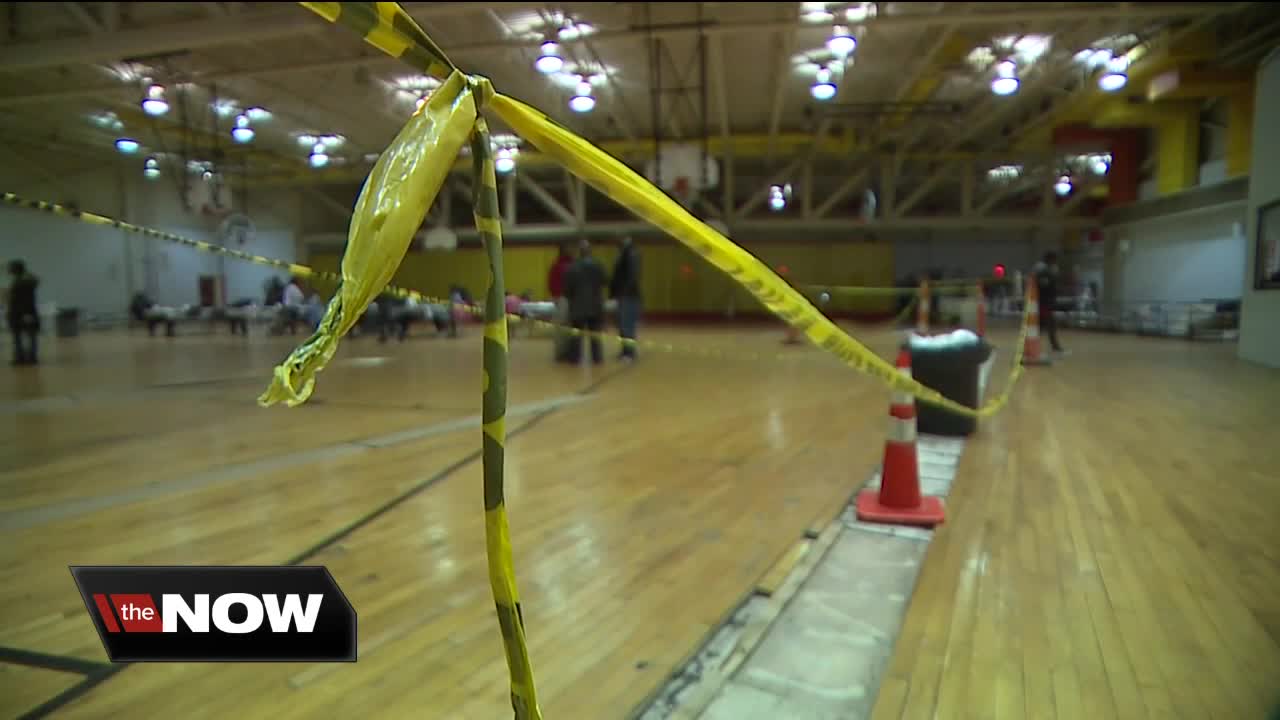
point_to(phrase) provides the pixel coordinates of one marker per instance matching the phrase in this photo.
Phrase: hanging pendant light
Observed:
(823, 89)
(242, 133)
(154, 103)
(841, 42)
(319, 158)
(582, 100)
(1114, 77)
(550, 61)
(1006, 80)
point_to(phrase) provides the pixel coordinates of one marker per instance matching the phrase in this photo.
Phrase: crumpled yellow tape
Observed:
(393, 203)
(623, 185)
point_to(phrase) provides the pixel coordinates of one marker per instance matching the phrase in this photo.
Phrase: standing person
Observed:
(24, 317)
(274, 291)
(1046, 278)
(625, 288)
(555, 286)
(292, 304)
(584, 285)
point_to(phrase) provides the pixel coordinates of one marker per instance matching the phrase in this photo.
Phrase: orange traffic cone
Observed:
(1032, 350)
(899, 501)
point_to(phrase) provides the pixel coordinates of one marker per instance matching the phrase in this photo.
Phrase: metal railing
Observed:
(1204, 320)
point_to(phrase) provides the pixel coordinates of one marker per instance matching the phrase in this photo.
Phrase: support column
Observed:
(1178, 152)
(1239, 133)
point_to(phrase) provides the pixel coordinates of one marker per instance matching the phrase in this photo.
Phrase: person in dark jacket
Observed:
(584, 285)
(24, 318)
(555, 286)
(1046, 274)
(625, 288)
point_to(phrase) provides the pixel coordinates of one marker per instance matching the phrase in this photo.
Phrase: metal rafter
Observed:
(1022, 184)
(83, 16)
(547, 200)
(926, 187)
(786, 40)
(1166, 39)
(270, 25)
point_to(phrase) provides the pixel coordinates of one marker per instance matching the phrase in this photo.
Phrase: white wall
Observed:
(98, 268)
(1185, 257)
(1260, 313)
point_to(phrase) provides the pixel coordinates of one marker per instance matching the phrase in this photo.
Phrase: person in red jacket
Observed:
(555, 285)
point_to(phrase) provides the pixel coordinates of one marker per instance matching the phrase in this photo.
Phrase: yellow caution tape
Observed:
(392, 205)
(854, 290)
(305, 271)
(389, 28)
(626, 187)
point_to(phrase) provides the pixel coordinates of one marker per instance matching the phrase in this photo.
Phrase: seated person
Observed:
(393, 315)
(139, 306)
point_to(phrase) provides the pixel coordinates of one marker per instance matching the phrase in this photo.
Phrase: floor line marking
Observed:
(89, 683)
(32, 517)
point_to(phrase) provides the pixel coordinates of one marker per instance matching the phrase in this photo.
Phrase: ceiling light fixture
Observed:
(242, 133)
(1114, 78)
(506, 161)
(318, 157)
(154, 103)
(225, 108)
(258, 114)
(582, 101)
(127, 146)
(841, 42)
(777, 198)
(151, 169)
(550, 61)
(1006, 80)
(1063, 186)
(823, 89)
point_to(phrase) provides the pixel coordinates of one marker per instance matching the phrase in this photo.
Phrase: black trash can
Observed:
(67, 323)
(954, 371)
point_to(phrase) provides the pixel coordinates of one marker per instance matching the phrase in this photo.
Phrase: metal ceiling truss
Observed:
(557, 205)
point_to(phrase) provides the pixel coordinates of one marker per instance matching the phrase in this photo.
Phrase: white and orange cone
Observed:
(899, 501)
(1032, 350)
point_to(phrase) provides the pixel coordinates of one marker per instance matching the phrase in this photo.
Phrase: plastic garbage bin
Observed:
(67, 322)
(952, 365)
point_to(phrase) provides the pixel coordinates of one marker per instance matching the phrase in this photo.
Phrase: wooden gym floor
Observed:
(1109, 552)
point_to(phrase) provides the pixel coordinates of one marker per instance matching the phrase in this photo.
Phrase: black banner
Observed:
(219, 614)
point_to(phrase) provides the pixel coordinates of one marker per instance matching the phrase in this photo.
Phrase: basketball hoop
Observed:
(683, 172)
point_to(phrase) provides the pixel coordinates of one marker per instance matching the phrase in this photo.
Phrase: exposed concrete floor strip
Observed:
(21, 519)
(823, 655)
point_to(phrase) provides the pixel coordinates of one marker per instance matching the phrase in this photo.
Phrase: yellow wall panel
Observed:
(666, 287)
